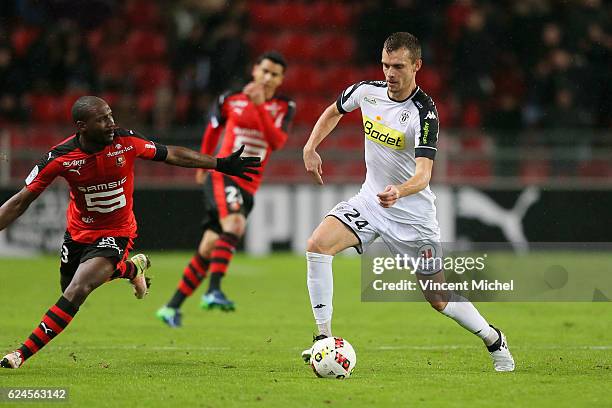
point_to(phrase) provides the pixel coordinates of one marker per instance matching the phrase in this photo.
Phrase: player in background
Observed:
(395, 201)
(98, 164)
(254, 117)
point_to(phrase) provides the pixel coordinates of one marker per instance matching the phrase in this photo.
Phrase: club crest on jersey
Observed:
(273, 108)
(404, 115)
(120, 161)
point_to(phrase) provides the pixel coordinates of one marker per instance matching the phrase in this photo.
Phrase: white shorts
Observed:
(367, 221)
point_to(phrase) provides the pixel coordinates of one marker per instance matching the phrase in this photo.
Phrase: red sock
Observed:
(125, 270)
(193, 274)
(53, 323)
(223, 252)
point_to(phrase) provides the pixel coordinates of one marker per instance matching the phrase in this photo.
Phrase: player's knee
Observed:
(316, 244)
(204, 252)
(78, 292)
(439, 305)
(235, 229)
(235, 226)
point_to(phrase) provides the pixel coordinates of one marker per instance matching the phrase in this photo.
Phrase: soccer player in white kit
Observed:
(395, 202)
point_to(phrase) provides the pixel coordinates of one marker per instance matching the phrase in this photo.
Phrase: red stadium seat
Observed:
(182, 103)
(353, 117)
(332, 171)
(534, 171)
(95, 38)
(146, 45)
(431, 81)
(472, 170)
(303, 79)
(338, 78)
(298, 46)
(22, 38)
(264, 14)
(335, 15)
(146, 101)
(595, 169)
(284, 170)
(472, 116)
(339, 47)
(350, 140)
(372, 73)
(36, 137)
(444, 109)
(262, 42)
(456, 17)
(142, 13)
(111, 98)
(150, 77)
(65, 109)
(45, 108)
(355, 169)
(294, 15)
(474, 142)
(309, 110)
(298, 136)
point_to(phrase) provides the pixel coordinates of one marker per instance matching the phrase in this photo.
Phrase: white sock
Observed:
(463, 312)
(321, 289)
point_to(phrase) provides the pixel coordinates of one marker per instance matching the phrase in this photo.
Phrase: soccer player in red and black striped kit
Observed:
(98, 164)
(258, 119)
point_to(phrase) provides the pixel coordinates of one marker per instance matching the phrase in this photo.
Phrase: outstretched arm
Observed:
(15, 206)
(276, 137)
(233, 164)
(325, 124)
(413, 185)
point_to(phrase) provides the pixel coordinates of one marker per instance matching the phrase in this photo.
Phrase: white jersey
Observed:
(396, 132)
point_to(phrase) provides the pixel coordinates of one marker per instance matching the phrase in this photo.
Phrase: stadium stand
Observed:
(499, 68)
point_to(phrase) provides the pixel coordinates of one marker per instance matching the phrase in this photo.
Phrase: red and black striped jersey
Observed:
(261, 128)
(101, 183)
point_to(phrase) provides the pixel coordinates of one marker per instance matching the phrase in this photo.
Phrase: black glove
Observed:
(235, 165)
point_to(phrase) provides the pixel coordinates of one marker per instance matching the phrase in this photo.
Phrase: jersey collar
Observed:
(408, 98)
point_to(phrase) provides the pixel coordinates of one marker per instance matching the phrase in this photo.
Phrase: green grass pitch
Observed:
(115, 352)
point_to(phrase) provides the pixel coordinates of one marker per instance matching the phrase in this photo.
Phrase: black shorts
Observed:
(222, 196)
(75, 253)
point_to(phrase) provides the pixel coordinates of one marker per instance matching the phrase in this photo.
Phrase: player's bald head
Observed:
(85, 106)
